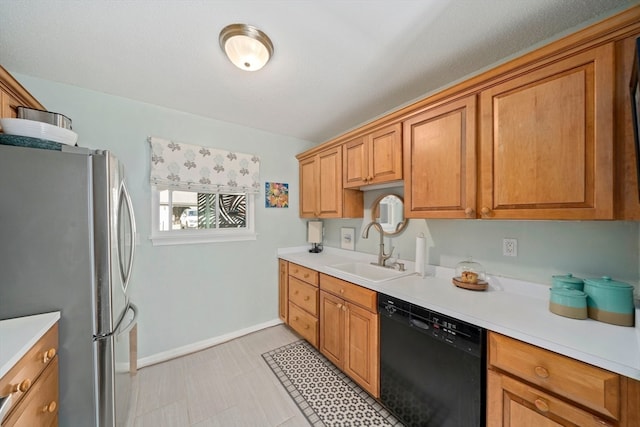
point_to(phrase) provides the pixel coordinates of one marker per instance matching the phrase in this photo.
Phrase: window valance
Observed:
(184, 166)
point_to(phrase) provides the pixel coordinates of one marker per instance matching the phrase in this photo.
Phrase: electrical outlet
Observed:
(510, 247)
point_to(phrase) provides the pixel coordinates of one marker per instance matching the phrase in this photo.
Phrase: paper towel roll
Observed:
(421, 245)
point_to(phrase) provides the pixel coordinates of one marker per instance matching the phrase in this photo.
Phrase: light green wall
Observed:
(584, 248)
(188, 293)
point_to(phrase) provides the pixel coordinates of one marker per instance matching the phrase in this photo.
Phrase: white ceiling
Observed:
(337, 63)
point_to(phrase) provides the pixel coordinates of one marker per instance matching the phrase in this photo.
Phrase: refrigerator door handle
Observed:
(119, 329)
(132, 221)
(133, 321)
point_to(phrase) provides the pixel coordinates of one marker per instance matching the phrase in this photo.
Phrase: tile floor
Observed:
(228, 385)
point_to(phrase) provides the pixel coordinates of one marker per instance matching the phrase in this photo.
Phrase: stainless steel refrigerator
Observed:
(67, 239)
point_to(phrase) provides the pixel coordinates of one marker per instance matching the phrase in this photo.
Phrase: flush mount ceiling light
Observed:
(247, 47)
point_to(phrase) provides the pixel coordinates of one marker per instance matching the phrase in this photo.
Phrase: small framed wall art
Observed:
(276, 195)
(348, 238)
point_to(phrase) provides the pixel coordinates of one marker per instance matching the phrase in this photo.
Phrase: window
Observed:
(197, 217)
(201, 194)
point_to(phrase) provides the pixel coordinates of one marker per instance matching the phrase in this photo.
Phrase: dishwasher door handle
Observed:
(420, 324)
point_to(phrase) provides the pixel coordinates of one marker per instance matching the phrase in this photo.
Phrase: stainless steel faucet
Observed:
(382, 257)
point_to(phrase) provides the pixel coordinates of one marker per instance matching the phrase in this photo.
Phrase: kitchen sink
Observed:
(370, 272)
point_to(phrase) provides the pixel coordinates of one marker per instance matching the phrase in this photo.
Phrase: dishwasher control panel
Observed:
(457, 333)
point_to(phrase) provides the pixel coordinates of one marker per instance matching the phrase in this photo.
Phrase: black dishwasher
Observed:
(432, 367)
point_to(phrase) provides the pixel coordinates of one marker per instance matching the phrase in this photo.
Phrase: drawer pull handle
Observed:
(48, 355)
(50, 408)
(23, 386)
(306, 298)
(541, 405)
(541, 372)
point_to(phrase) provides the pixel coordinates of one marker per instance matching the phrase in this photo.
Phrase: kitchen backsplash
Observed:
(584, 248)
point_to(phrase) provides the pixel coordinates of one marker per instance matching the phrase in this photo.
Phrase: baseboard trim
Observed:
(201, 345)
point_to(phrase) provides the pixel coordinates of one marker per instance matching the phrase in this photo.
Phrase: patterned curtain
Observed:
(191, 167)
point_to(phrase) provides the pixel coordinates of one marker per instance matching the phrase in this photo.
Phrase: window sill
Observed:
(192, 238)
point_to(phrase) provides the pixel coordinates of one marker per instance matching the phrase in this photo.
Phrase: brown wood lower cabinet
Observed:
(530, 386)
(33, 385)
(349, 333)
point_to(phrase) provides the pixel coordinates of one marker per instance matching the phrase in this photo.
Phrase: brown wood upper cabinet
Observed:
(545, 146)
(13, 95)
(546, 141)
(321, 191)
(440, 161)
(374, 158)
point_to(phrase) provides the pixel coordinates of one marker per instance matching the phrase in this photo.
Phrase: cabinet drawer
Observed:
(350, 292)
(304, 295)
(303, 273)
(303, 323)
(40, 405)
(582, 383)
(520, 404)
(23, 375)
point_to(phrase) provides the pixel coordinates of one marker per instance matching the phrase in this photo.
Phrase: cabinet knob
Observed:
(296, 292)
(370, 178)
(23, 386)
(306, 326)
(542, 405)
(485, 211)
(344, 308)
(342, 291)
(339, 306)
(48, 355)
(541, 372)
(469, 212)
(306, 275)
(50, 408)
(306, 298)
(295, 318)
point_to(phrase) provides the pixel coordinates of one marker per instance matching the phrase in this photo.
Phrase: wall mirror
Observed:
(388, 211)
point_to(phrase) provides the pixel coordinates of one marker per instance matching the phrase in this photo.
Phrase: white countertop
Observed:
(18, 335)
(511, 307)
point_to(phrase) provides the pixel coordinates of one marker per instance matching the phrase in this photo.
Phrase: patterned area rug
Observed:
(325, 395)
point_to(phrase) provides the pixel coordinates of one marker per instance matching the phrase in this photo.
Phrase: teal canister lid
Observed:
(606, 281)
(567, 281)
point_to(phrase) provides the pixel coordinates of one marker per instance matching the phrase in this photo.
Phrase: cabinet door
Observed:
(283, 288)
(515, 404)
(332, 316)
(329, 194)
(308, 188)
(547, 141)
(356, 163)
(440, 161)
(361, 359)
(385, 155)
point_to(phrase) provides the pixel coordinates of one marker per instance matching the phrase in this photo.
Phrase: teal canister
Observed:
(610, 301)
(567, 281)
(568, 303)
